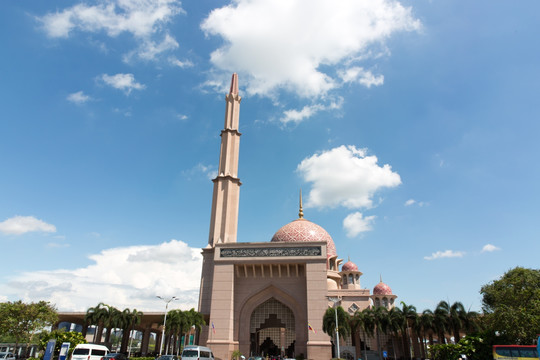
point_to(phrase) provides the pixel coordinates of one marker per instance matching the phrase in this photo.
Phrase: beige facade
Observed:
(269, 298)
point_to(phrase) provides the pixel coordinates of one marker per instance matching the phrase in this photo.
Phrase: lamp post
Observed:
(335, 300)
(165, 321)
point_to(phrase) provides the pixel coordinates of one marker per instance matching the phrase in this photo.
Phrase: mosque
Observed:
(269, 298)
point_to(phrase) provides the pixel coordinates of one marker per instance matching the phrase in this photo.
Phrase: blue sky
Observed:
(411, 128)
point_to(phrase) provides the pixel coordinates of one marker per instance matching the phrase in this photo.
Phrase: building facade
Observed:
(269, 298)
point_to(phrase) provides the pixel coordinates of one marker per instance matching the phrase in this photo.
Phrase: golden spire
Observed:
(300, 212)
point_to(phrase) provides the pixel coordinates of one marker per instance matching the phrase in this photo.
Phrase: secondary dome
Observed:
(382, 289)
(349, 266)
(301, 230)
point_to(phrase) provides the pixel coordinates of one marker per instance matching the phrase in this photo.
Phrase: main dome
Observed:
(301, 230)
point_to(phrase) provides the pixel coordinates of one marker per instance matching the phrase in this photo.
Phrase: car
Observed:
(89, 352)
(115, 356)
(256, 358)
(197, 352)
(168, 357)
(7, 356)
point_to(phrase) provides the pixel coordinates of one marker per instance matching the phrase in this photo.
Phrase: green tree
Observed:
(22, 321)
(395, 324)
(411, 320)
(427, 328)
(512, 304)
(61, 336)
(329, 322)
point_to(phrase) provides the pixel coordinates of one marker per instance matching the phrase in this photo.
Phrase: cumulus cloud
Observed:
(78, 98)
(297, 116)
(490, 248)
(123, 277)
(124, 82)
(181, 64)
(209, 171)
(345, 176)
(356, 223)
(144, 20)
(292, 44)
(360, 75)
(411, 202)
(18, 225)
(445, 254)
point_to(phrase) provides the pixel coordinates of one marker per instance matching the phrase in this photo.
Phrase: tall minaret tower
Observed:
(224, 219)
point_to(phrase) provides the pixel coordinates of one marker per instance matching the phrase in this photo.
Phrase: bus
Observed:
(515, 352)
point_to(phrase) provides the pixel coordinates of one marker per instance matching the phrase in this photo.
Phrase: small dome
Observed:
(301, 230)
(382, 289)
(349, 266)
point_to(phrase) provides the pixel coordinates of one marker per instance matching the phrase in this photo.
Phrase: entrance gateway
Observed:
(269, 298)
(272, 329)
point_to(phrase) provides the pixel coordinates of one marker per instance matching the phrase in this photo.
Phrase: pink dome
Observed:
(349, 266)
(382, 289)
(301, 230)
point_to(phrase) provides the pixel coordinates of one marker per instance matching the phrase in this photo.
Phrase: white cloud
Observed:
(414, 202)
(356, 223)
(124, 82)
(122, 277)
(78, 98)
(445, 254)
(345, 176)
(490, 248)
(410, 202)
(209, 171)
(297, 116)
(181, 64)
(18, 225)
(288, 44)
(144, 20)
(150, 50)
(57, 245)
(361, 76)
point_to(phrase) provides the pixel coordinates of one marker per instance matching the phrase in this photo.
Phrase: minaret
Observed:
(224, 219)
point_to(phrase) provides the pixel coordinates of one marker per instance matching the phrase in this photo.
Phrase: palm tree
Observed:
(96, 316)
(112, 318)
(193, 320)
(440, 320)
(380, 320)
(395, 325)
(130, 318)
(176, 325)
(426, 328)
(368, 326)
(411, 319)
(329, 323)
(92, 318)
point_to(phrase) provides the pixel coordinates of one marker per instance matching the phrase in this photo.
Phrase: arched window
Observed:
(385, 302)
(345, 279)
(351, 280)
(377, 302)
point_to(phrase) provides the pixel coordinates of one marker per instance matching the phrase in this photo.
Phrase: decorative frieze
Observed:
(270, 252)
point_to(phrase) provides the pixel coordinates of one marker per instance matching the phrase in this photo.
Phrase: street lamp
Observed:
(165, 321)
(335, 300)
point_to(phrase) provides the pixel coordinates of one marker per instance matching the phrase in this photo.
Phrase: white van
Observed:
(197, 353)
(89, 352)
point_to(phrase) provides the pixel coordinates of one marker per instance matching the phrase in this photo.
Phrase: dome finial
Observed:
(380, 276)
(301, 212)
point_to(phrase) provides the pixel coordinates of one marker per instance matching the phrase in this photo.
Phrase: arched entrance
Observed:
(272, 330)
